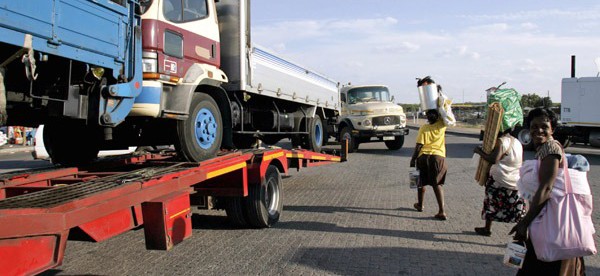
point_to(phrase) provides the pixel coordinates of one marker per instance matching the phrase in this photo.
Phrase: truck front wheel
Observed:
(346, 134)
(71, 143)
(395, 144)
(199, 136)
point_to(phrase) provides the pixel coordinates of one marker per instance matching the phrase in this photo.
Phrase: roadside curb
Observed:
(9, 149)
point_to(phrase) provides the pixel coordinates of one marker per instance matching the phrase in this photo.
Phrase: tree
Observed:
(530, 100)
(546, 102)
(533, 100)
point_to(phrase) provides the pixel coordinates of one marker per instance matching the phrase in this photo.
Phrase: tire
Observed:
(395, 144)
(235, 211)
(316, 134)
(200, 135)
(524, 137)
(264, 203)
(346, 133)
(70, 143)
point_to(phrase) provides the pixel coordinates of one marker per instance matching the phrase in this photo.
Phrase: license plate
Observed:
(387, 138)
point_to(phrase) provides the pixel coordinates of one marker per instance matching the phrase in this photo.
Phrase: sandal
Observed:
(440, 217)
(418, 208)
(482, 231)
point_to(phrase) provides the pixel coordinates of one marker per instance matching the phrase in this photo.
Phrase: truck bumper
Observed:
(379, 133)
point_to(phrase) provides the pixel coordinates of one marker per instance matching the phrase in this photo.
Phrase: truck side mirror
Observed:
(392, 100)
(343, 97)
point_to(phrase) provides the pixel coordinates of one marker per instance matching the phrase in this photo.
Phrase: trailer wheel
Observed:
(346, 134)
(264, 203)
(235, 211)
(316, 134)
(70, 143)
(395, 144)
(201, 134)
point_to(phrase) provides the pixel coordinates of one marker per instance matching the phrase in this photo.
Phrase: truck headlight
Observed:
(149, 65)
(149, 62)
(367, 122)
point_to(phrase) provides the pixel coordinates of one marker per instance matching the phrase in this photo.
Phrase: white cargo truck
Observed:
(369, 115)
(580, 115)
(579, 107)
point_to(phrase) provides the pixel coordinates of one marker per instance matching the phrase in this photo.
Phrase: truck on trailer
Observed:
(203, 69)
(73, 65)
(369, 115)
(206, 84)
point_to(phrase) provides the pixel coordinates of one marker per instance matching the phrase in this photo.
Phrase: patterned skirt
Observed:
(502, 204)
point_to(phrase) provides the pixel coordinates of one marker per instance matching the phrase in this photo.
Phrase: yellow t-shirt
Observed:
(432, 136)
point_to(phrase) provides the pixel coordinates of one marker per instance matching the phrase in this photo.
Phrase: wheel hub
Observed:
(205, 128)
(272, 197)
(318, 134)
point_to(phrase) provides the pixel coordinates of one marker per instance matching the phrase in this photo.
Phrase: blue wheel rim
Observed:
(205, 128)
(318, 134)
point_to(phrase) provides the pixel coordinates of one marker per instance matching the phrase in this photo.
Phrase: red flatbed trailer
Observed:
(38, 208)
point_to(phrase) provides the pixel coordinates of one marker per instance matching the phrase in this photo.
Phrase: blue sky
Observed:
(466, 46)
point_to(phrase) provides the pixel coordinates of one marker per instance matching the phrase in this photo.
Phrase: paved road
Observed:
(19, 159)
(354, 218)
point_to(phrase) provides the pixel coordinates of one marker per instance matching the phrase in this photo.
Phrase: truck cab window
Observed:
(185, 10)
(120, 2)
(194, 10)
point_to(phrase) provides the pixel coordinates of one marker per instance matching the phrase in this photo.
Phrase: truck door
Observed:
(179, 33)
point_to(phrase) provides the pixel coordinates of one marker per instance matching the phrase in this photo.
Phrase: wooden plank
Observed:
(492, 126)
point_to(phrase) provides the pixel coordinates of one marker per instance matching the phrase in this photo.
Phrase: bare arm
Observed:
(494, 156)
(547, 174)
(413, 160)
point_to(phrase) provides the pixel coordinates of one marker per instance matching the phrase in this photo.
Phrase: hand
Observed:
(520, 231)
(412, 162)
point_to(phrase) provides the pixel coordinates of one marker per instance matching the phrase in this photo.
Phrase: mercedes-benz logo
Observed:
(387, 121)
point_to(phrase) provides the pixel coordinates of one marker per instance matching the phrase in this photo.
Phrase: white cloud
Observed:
(513, 47)
(489, 28)
(528, 26)
(402, 47)
(360, 25)
(591, 14)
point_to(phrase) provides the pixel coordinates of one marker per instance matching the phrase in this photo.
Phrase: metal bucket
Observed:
(428, 95)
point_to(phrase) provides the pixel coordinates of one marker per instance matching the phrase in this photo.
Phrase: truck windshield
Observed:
(179, 11)
(368, 94)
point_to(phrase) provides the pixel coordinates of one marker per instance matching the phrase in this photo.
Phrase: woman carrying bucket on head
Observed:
(430, 151)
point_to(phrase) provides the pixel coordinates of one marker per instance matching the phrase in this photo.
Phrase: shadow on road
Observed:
(399, 261)
(23, 164)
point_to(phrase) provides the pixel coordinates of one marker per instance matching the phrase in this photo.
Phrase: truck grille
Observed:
(386, 120)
